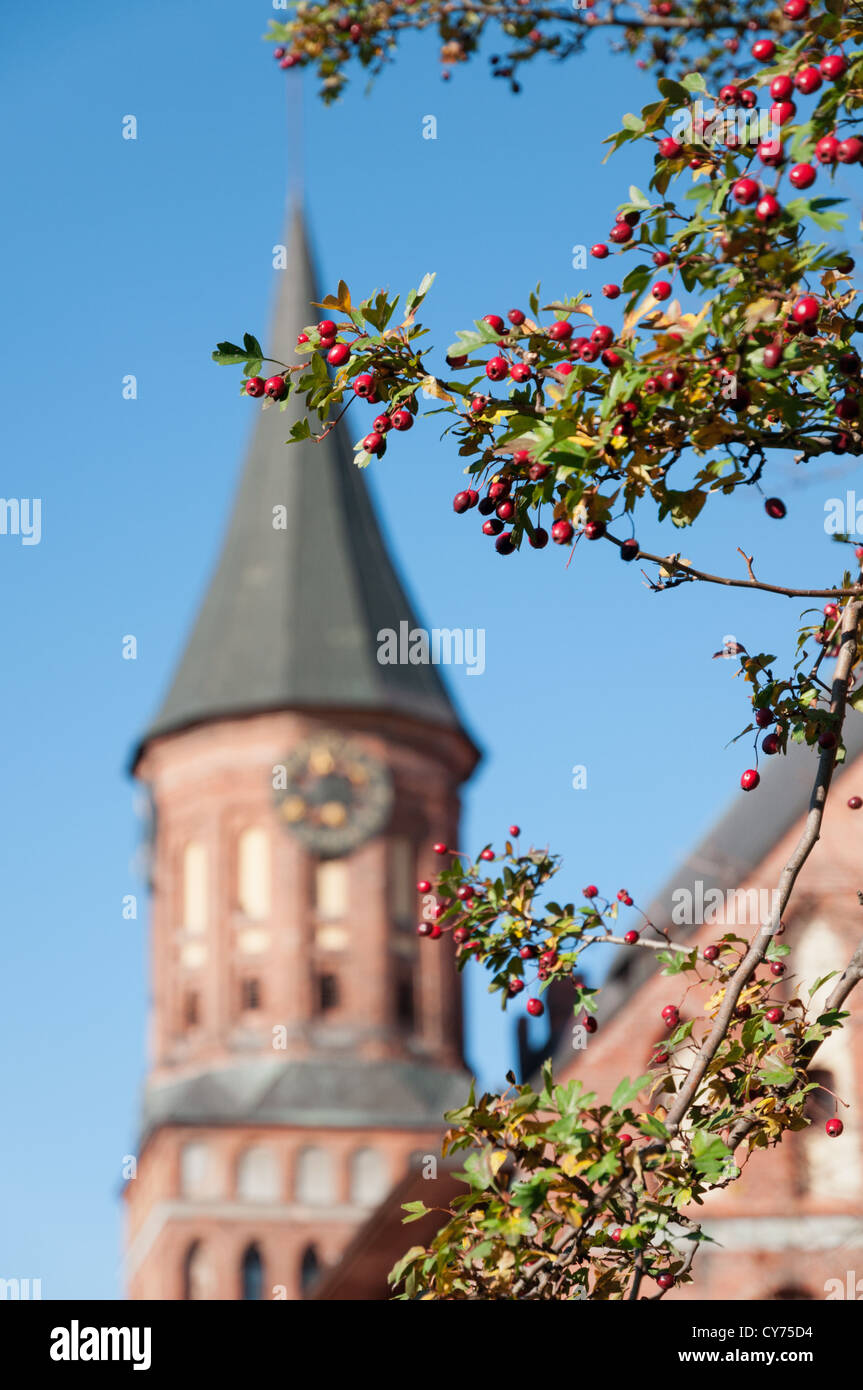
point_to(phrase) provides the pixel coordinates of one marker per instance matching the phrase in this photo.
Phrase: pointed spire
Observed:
(291, 616)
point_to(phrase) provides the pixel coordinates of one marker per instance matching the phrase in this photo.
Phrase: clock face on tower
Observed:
(336, 795)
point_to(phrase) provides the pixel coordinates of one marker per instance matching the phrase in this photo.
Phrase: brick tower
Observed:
(304, 1043)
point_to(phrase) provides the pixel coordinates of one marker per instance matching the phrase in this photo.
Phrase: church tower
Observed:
(304, 1041)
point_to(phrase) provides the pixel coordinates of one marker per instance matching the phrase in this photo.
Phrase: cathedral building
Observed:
(303, 1048)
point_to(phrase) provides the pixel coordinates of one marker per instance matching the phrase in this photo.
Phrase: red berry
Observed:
(560, 330)
(827, 149)
(774, 1015)
(729, 94)
(611, 291)
(781, 87)
(777, 968)
(770, 744)
(602, 336)
(849, 365)
(487, 854)
(515, 830)
(505, 509)
(673, 378)
(796, 9)
(661, 258)
(625, 1138)
(782, 111)
(515, 985)
(770, 152)
(748, 98)
(620, 233)
(591, 891)
(302, 338)
(439, 847)
(496, 369)
(832, 66)
(461, 502)
(661, 290)
(773, 354)
(665, 1281)
(767, 208)
(750, 779)
(535, 1007)
(764, 718)
(538, 471)
(455, 362)
(827, 739)
(516, 317)
(629, 550)
(255, 386)
(651, 386)
(616, 1234)
(599, 250)
(327, 328)
(808, 80)
(276, 388)
(775, 507)
(763, 50)
(373, 442)
(669, 148)
(364, 385)
(631, 937)
(659, 1058)
(849, 150)
(561, 532)
(743, 1011)
(539, 538)
(527, 952)
(834, 1128)
(402, 420)
(589, 1024)
(338, 354)
(594, 530)
(423, 886)
(855, 802)
(711, 952)
(494, 322)
(802, 175)
(805, 310)
(492, 527)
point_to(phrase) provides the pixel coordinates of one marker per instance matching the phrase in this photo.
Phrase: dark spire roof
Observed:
(291, 616)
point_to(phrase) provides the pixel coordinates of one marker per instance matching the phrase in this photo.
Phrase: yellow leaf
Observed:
(432, 388)
(761, 310)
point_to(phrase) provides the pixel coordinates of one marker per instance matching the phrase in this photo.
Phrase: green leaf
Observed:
(694, 82)
(709, 1153)
(416, 1210)
(628, 1090)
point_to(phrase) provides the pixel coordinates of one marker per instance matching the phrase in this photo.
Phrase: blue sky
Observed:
(135, 257)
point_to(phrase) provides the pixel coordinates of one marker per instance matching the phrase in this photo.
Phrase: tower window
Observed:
(191, 1009)
(253, 874)
(252, 1274)
(405, 1004)
(250, 993)
(310, 1268)
(331, 891)
(195, 896)
(315, 1181)
(403, 893)
(196, 1273)
(328, 993)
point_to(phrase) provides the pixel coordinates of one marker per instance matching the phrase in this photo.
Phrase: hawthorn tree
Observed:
(569, 1195)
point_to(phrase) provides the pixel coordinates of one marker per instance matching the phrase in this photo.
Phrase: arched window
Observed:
(253, 874)
(197, 1175)
(258, 1176)
(369, 1178)
(331, 891)
(405, 1003)
(252, 1274)
(310, 1268)
(195, 895)
(315, 1185)
(196, 1272)
(403, 893)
